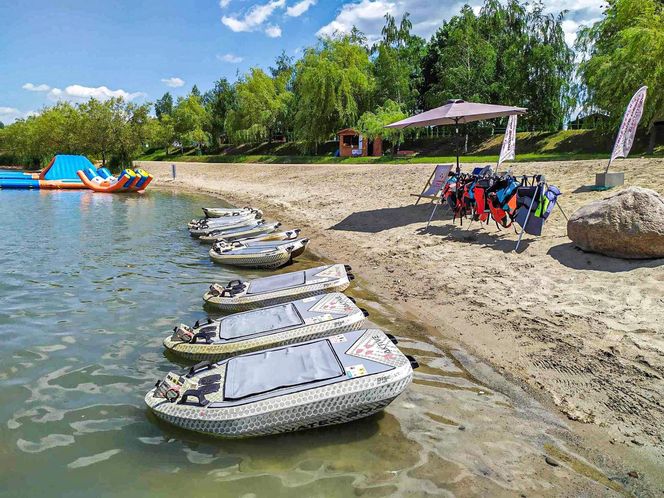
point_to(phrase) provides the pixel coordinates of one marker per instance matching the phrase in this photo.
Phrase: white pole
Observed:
(435, 206)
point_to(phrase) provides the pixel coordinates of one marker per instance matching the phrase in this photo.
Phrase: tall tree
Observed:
(218, 102)
(372, 124)
(282, 64)
(511, 53)
(262, 103)
(460, 62)
(333, 87)
(164, 105)
(623, 51)
(397, 60)
(189, 122)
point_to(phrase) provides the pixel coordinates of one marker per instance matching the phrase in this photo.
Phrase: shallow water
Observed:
(90, 284)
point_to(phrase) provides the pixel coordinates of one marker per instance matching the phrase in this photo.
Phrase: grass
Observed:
(274, 159)
(567, 145)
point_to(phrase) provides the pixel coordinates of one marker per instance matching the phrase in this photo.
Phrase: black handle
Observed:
(348, 268)
(393, 339)
(364, 312)
(203, 365)
(413, 362)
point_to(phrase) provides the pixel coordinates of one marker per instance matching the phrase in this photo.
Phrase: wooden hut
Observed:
(353, 144)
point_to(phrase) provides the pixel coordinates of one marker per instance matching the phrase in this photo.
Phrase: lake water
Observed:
(89, 286)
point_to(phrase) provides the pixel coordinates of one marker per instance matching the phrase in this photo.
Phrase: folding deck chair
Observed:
(434, 184)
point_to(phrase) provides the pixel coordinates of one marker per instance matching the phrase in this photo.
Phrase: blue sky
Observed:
(54, 50)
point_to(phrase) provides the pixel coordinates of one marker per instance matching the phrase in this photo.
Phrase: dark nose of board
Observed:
(413, 362)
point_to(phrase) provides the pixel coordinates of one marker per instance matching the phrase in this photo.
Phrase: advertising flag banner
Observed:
(508, 150)
(630, 122)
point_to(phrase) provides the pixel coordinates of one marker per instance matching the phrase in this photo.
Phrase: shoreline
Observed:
(506, 339)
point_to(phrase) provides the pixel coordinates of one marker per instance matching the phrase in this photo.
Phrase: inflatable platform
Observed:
(76, 172)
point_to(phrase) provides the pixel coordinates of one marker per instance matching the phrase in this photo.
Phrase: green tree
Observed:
(372, 124)
(100, 126)
(2, 125)
(511, 53)
(164, 105)
(397, 61)
(189, 122)
(262, 104)
(333, 87)
(459, 63)
(282, 64)
(623, 51)
(217, 103)
(162, 132)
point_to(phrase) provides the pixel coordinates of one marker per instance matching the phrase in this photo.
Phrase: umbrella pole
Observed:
(456, 128)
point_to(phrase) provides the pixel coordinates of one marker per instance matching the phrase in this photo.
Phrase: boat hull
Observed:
(321, 280)
(377, 372)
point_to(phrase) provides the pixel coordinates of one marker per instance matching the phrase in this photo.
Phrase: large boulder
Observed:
(628, 224)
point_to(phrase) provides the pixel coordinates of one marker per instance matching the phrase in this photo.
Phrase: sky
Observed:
(53, 50)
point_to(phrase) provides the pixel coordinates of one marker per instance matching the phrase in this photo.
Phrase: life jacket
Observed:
(480, 194)
(449, 192)
(528, 196)
(547, 202)
(502, 201)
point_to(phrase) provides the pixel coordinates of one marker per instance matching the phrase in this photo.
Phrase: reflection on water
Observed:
(89, 284)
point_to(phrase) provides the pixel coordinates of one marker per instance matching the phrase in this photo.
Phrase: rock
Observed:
(633, 474)
(628, 224)
(551, 461)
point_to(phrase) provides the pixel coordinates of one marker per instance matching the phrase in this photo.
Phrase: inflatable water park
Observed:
(76, 172)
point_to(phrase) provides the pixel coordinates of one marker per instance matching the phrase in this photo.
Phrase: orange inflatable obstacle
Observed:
(76, 172)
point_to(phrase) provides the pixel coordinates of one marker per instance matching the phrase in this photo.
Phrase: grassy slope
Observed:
(531, 146)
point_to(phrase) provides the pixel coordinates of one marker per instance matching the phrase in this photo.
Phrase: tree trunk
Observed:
(653, 139)
(103, 159)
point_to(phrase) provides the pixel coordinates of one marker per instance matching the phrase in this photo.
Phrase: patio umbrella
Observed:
(455, 112)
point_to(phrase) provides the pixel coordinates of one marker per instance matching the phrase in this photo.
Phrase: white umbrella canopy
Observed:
(457, 111)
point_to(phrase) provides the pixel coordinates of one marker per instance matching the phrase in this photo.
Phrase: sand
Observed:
(582, 331)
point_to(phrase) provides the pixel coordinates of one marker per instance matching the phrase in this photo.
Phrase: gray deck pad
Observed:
(242, 228)
(259, 373)
(277, 282)
(263, 320)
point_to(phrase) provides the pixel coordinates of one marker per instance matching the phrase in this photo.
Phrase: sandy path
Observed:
(585, 330)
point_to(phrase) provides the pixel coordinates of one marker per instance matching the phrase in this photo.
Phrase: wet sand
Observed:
(573, 341)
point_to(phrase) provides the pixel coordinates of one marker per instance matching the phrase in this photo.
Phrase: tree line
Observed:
(509, 52)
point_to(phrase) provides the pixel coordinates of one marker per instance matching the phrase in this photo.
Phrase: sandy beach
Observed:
(582, 332)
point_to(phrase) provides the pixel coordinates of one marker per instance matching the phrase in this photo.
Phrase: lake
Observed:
(89, 286)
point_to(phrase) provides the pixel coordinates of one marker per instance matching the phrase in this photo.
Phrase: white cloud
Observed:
(300, 8)
(10, 114)
(273, 31)
(173, 82)
(36, 88)
(254, 18)
(224, 3)
(427, 15)
(82, 93)
(233, 59)
(7, 111)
